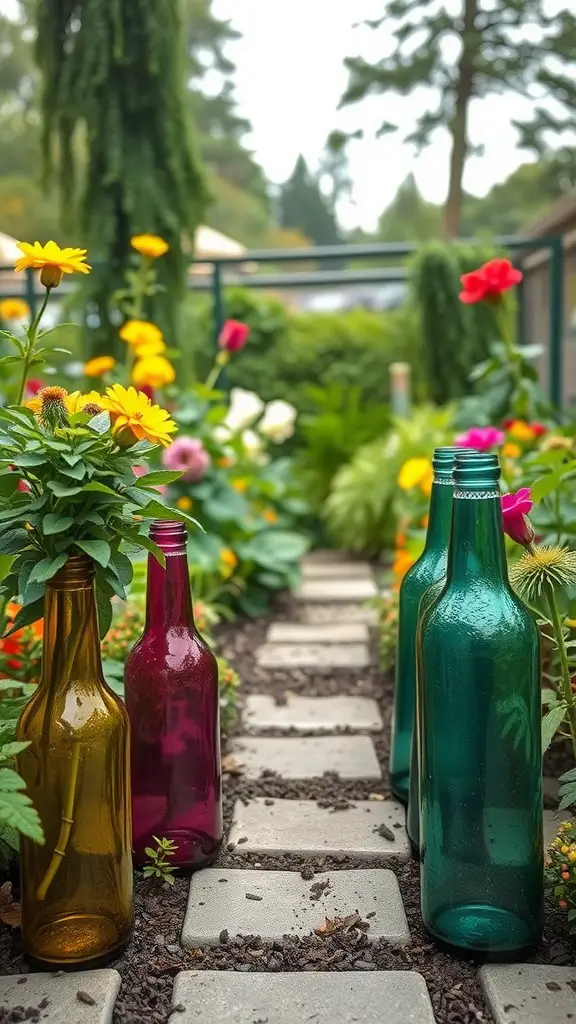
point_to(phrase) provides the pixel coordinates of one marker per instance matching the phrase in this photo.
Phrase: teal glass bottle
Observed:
(430, 567)
(481, 771)
(433, 592)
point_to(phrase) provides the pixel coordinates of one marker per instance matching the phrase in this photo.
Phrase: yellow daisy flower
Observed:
(52, 261)
(134, 418)
(76, 401)
(14, 309)
(415, 472)
(153, 372)
(101, 364)
(140, 332)
(150, 348)
(149, 245)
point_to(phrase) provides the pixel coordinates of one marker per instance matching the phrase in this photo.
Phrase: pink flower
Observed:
(515, 509)
(188, 456)
(481, 438)
(233, 336)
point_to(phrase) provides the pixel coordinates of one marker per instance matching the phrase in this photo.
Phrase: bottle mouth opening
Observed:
(444, 459)
(169, 534)
(480, 472)
(79, 570)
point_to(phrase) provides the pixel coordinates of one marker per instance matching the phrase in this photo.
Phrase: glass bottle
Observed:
(430, 567)
(413, 812)
(77, 888)
(172, 696)
(481, 777)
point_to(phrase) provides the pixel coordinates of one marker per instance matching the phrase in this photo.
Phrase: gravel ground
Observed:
(154, 956)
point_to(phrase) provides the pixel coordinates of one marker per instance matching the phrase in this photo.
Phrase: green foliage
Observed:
(17, 815)
(114, 73)
(560, 872)
(455, 336)
(359, 508)
(409, 217)
(303, 206)
(387, 607)
(229, 683)
(159, 866)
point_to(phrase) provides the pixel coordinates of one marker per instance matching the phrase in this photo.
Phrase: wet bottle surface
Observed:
(430, 567)
(172, 696)
(481, 778)
(77, 888)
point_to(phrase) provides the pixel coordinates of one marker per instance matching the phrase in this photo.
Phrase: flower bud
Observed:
(50, 276)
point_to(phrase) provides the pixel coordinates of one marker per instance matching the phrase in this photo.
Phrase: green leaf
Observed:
(99, 550)
(28, 614)
(271, 547)
(12, 542)
(5, 566)
(95, 487)
(77, 472)
(544, 485)
(54, 523)
(30, 459)
(155, 510)
(47, 568)
(16, 808)
(123, 568)
(162, 476)
(104, 594)
(11, 749)
(63, 490)
(550, 724)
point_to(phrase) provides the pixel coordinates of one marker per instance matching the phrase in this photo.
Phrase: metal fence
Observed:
(220, 277)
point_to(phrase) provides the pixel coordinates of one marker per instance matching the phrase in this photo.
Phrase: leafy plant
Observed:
(159, 866)
(387, 607)
(17, 814)
(560, 870)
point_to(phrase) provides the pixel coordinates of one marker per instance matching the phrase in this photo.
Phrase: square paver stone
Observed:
(319, 657)
(295, 757)
(323, 556)
(56, 995)
(311, 714)
(337, 613)
(323, 633)
(530, 993)
(219, 997)
(366, 829)
(276, 903)
(337, 571)
(339, 590)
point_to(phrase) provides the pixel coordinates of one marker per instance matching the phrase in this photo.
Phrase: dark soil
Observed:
(155, 957)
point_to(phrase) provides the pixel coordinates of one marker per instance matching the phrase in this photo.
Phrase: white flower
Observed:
(245, 407)
(221, 434)
(253, 446)
(277, 424)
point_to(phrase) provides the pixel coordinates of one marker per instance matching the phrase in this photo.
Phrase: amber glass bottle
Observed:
(77, 888)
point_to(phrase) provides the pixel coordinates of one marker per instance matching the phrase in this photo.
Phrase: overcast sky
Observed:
(290, 77)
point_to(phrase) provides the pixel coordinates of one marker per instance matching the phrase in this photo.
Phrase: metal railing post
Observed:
(556, 320)
(218, 299)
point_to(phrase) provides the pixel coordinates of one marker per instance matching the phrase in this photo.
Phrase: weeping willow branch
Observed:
(117, 139)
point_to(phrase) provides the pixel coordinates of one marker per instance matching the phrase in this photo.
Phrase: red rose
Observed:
(489, 281)
(233, 336)
(538, 428)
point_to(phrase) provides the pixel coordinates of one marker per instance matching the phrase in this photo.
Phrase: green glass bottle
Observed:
(481, 769)
(413, 812)
(430, 567)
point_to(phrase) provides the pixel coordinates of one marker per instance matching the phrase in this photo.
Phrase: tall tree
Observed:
(496, 54)
(114, 72)
(409, 217)
(303, 207)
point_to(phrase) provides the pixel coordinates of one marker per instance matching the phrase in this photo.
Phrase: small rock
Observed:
(85, 997)
(242, 967)
(173, 947)
(269, 803)
(223, 937)
(385, 833)
(244, 839)
(307, 872)
(553, 986)
(251, 896)
(179, 1008)
(363, 965)
(159, 940)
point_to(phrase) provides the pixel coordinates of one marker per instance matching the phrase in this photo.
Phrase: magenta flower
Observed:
(233, 336)
(515, 509)
(481, 438)
(188, 456)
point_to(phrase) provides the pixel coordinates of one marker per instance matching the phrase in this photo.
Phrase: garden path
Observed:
(329, 877)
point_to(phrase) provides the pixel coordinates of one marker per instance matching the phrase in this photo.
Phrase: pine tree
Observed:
(409, 218)
(302, 206)
(497, 54)
(113, 92)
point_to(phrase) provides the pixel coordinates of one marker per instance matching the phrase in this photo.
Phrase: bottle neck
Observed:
(477, 538)
(440, 514)
(71, 645)
(168, 597)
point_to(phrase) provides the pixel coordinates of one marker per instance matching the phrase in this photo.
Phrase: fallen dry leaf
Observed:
(338, 924)
(232, 766)
(9, 908)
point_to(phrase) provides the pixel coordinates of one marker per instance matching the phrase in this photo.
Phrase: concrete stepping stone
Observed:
(317, 657)
(323, 633)
(324, 556)
(351, 757)
(276, 903)
(311, 714)
(316, 614)
(220, 997)
(530, 993)
(337, 571)
(366, 829)
(339, 590)
(85, 997)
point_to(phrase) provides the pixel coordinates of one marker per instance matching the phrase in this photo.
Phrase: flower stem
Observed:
(513, 363)
(32, 332)
(566, 683)
(66, 824)
(220, 362)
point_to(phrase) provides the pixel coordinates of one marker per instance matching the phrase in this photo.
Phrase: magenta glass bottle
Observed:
(171, 680)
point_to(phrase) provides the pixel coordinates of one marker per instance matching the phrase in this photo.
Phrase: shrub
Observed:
(561, 871)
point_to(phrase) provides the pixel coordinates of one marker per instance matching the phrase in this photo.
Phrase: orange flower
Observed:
(400, 540)
(240, 485)
(511, 450)
(424, 522)
(270, 515)
(521, 431)
(402, 562)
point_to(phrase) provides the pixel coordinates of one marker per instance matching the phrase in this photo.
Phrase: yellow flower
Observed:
(134, 418)
(149, 348)
(101, 364)
(228, 561)
(415, 472)
(270, 515)
(240, 485)
(521, 430)
(76, 401)
(426, 482)
(153, 372)
(141, 332)
(14, 309)
(149, 245)
(52, 261)
(512, 451)
(184, 503)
